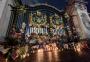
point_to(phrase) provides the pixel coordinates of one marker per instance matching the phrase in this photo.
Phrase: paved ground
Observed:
(55, 56)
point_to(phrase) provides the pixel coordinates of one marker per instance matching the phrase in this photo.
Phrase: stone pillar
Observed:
(81, 19)
(4, 16)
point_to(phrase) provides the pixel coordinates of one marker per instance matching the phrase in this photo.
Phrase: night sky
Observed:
(88, 6)
(60, 4)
